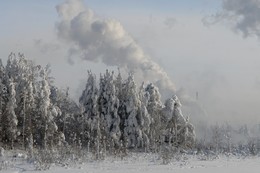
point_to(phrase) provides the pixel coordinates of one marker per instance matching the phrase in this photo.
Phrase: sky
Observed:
(207, 46)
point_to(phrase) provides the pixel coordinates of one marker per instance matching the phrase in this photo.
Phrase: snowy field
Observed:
(146, 164)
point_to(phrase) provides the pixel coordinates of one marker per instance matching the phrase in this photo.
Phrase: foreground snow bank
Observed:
(145, 163)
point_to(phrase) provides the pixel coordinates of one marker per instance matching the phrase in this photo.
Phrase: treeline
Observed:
(225, 138)
(113, 115)
(119, 115)
(31, 107)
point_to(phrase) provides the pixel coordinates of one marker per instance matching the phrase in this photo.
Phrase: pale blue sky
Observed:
(18, 16)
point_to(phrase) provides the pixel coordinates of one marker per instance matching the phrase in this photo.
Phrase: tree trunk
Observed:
(24, 121)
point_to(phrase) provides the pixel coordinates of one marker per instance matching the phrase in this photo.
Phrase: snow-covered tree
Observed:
(12, 67)
(132, 130)
(25, 98)
(68, 118)
(144, 117)
(108, 108)
(3, 95)
(177, 129)
(154, 107)
(29, 111)
(90, 118)
(10, 118)
(47, 127)
(116, 116)
(121, 95)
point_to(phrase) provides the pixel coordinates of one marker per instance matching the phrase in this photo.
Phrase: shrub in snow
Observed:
(177, 129)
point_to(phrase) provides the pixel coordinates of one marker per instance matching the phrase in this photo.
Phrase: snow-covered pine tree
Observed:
(67, 120)
(108, 108)
(168, 130)
(119, 85)
(154, 107)
(102, 110)
(47, 112)
(132, 129)
(12, 67)
(22, 71)
(121, 95)
(44, 103)
(90, 118)
(144, 117)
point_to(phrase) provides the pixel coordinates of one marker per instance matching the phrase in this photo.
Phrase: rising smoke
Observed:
(98, 39)
(93, 38)
(243, 15)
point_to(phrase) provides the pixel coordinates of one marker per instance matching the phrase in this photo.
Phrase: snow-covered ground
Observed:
(146, 164)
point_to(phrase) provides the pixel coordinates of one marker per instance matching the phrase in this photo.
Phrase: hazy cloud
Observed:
(170, 22)
(243, 15)
(45, 47)
(257, 83)
(95, 39)
(98, 39)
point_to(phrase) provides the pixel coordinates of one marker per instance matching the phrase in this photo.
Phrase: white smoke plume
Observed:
(96, 39)
(243, 15)
(93, 38)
